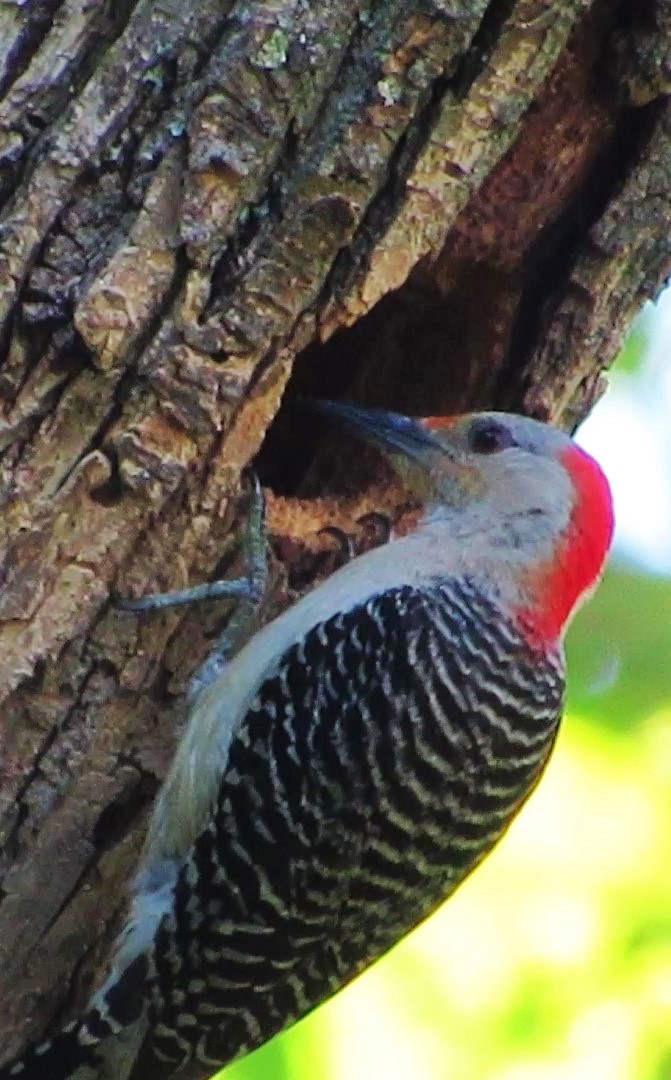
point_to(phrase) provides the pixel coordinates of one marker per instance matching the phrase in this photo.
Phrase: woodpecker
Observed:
(357, 758)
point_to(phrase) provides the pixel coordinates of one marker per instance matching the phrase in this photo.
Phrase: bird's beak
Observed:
(390, 431)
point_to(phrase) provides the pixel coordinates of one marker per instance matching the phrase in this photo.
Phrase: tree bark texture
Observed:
(209, 210)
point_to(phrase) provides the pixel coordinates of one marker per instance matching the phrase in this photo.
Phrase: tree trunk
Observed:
(209, 210)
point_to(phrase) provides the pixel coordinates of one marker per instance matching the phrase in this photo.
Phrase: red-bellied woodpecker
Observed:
(359, 756)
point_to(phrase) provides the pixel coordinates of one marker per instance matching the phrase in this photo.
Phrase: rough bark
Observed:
(209, 209)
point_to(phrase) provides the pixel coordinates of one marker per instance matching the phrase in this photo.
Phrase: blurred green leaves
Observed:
(619, 649)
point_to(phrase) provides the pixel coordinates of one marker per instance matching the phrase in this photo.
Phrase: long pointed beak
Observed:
(389, 430)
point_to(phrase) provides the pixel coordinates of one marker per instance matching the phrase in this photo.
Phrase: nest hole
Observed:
(413, 352)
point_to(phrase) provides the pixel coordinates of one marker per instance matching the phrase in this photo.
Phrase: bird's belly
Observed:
(381, 869)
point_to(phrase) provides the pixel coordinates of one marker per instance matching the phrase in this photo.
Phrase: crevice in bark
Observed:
(76, 986)
(549, 262)
(484, 41)
(118, 816)
(126, 385)
(38, 20)
(13, 840)
(352, 261)
(86, 869)
(248, 232)
(259, 218)
(348, 85)
(50, 100)
(6, 335)
(112, 490)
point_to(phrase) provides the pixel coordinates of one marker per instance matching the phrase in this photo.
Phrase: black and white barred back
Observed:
(380, 762)
(376, 767)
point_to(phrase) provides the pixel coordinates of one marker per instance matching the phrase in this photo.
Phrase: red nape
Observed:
(437, 421)
(578, 561)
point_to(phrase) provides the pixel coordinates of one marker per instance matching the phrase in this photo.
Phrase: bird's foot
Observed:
(250, 590)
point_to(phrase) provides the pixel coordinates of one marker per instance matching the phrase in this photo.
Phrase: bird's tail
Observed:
(59, 1058)
(82, 1045)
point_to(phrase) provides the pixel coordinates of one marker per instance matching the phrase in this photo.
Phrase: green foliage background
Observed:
(553, 962)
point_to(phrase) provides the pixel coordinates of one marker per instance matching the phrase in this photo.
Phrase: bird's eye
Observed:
(489, 437)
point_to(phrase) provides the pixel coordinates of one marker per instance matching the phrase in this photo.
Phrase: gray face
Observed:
(504, 468)
(479, 435)
(505, 498)
(495, 465)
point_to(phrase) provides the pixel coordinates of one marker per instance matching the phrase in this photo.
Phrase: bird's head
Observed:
(517, 491)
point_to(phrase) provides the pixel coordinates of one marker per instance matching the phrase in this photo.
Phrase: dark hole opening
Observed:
(401, 355)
